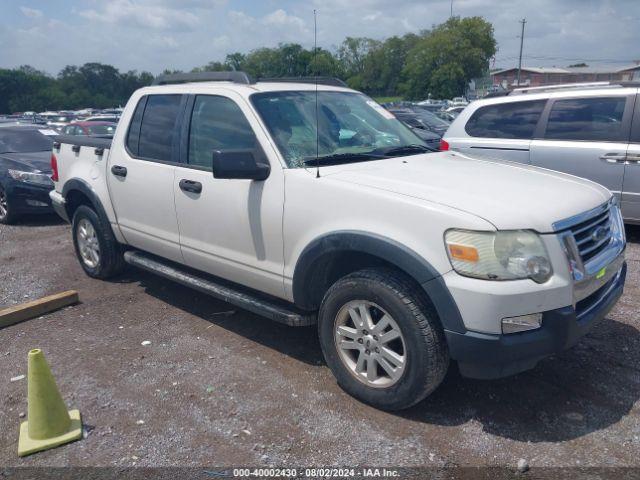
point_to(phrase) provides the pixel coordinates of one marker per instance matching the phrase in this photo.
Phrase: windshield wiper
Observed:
(339, 158)
(405, 150)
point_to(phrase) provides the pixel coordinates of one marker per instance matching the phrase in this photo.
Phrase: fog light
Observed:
(36, 203)
(521, 323)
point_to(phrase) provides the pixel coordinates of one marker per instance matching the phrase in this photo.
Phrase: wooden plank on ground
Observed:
(35, 308)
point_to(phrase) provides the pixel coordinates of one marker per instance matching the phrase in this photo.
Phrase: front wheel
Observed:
(6, 214)
(381, 339)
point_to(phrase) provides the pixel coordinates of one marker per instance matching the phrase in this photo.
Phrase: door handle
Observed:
(614, 157)
(633, 158)
(119, 171)
(190, 186)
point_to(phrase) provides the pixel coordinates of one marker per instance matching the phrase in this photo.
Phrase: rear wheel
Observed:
(99, 253)
(6, 215)
(381, 339)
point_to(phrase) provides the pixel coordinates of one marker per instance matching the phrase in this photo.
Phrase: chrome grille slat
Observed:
(603, 217)
(586, 239)
(602, 242)
(592, 232)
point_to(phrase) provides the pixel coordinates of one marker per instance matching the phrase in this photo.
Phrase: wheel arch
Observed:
(77, 192)
(331, 256)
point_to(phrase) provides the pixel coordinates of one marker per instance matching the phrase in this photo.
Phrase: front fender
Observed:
(386, 249)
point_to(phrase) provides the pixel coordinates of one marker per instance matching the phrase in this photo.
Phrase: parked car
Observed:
(412, 120)
(103, 118)
(25, 170)
(58, 121)
(307, 202)
(459, 102)
(591, 131)
(432, 105)
(432, 121)
(90, 128)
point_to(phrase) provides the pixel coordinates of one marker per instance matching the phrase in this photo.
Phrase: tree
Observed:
(235, 61)
(382, 67)
(444, 60)
(352, 55)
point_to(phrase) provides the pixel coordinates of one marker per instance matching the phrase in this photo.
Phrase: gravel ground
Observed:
(223, 389)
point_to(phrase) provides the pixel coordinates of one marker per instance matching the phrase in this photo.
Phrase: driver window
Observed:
(217, 123)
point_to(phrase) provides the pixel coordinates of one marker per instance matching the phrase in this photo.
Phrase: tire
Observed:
(109, 260)
(7, 217)
(421, 343)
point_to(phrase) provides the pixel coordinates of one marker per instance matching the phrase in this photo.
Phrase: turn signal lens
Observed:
(444, 145)
(463, 252)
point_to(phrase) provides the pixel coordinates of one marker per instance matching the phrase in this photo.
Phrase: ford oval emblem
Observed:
(599, 234)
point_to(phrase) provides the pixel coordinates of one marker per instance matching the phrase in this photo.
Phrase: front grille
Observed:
(593, 235)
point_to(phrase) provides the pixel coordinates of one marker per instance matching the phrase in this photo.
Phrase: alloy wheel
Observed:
(88, 244)
(370, 344)
(4, 204)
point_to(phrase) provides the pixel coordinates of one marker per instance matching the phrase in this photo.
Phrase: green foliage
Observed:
(91, 85)
(439, 62)
(444, 60)
(286, 60)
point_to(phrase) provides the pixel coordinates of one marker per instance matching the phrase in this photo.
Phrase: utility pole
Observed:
(523, 21)
(451, 15)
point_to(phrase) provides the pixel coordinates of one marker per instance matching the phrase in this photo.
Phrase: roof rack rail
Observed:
(335, 82)
(574, 86)
(234, 76)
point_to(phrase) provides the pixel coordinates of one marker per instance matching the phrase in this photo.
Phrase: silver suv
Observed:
(588, 130)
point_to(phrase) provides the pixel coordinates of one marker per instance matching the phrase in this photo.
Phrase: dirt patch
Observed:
(240, 390)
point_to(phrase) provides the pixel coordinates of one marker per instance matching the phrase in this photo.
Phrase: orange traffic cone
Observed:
(48, 424)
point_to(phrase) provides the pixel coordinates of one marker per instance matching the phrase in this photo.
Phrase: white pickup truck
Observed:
(309, 203)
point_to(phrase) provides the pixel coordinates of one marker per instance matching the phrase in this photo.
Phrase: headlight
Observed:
(31, 177)
(507, 255)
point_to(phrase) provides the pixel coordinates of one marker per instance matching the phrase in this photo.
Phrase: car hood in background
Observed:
(509, 195)
(31, 161)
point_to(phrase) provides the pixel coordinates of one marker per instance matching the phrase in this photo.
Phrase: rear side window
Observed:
(217, 123)
(134, 127)
(594, 119)
(506, 120)
(157, 129)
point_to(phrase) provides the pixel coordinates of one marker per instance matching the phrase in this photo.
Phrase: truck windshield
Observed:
(350, 127)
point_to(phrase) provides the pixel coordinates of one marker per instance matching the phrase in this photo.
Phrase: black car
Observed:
(25, 171)
(422, 119)
(412, 120)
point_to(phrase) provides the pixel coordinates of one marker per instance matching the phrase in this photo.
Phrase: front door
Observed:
(141, 173)
(586, 137)
(631, 186)
(229, 228)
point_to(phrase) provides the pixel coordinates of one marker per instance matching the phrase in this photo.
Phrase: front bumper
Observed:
(59, 205)
(26, 198)
(487, 356)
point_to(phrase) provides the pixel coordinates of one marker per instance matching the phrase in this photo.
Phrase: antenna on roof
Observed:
(315, 71)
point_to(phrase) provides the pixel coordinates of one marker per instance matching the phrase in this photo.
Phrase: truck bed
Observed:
(84, 141)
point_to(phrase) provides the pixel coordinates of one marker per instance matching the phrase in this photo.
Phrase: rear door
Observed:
(141, 173)
(501, 131)
(631, 185)
(586, 136)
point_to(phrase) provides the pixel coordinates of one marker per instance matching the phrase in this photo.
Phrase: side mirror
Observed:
(240, 165)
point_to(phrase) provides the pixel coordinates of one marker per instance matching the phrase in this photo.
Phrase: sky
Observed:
(153, 35)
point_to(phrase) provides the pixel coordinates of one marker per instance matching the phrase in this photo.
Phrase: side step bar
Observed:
(240, 298)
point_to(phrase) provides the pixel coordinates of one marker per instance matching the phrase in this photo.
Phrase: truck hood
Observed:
(508, 195)
(30, 162)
